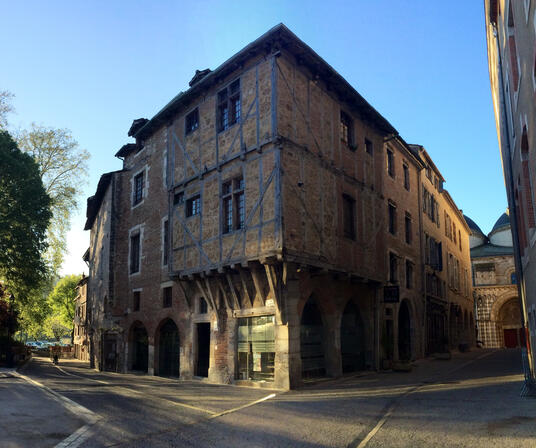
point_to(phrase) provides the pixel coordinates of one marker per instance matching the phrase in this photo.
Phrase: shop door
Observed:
(203, 349)
(510, 338)
(110, 357)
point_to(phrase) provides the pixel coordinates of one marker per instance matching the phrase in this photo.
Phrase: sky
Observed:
(93, 67)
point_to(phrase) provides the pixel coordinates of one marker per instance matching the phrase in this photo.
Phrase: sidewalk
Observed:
(31, 417)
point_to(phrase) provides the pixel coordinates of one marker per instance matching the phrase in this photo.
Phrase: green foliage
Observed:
(54, 328)
(63, 169)
(61, 299)
(5, 107)
(24, 218)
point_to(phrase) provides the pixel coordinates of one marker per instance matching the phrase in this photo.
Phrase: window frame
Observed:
(233, 205)
(138, 190)
(346, 130)
(391, 217)
(407, 185)
(349, 217)
(230, 101)
(391, 163)
(191, 121)
(165, 241)
(369, 146)
(408, 227)
(410, 272)
(136, 299)
(134, 263)
(167, 297)
(393, 267)
(191, 209)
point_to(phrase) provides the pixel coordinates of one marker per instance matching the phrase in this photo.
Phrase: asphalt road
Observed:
(471, 400)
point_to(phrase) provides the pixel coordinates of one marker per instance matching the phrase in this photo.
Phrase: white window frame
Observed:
(145, 171)
(133, 230)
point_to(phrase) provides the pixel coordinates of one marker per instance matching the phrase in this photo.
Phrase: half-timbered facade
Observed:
(250, 221)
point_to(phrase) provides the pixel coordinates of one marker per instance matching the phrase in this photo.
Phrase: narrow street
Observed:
(472, 400)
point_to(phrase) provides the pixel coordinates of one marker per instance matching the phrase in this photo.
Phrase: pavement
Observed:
(473, 400)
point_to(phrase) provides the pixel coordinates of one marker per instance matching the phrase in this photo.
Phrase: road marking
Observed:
(82, 377)
(253, 403)
(77, 437)
(80, 435)
(397, 401)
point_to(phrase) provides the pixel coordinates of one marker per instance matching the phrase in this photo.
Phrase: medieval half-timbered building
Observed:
(256, 232)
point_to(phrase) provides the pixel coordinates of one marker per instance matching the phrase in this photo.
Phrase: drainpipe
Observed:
(513, 207)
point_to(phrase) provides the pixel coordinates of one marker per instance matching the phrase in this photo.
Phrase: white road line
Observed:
(243, 406)
(391, 408)
(80, 435)
(79, 376)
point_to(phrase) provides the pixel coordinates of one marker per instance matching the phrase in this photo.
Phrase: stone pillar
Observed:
(150, 362)
(332, 344)
(288, 355)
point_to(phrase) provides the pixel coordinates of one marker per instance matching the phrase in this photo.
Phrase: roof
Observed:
(502, 223)
(475, 230)
(126, 150)
(94, 202)
(281, 37)
(490, 250)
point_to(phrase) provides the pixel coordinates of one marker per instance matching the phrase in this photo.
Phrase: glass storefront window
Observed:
(256, 348)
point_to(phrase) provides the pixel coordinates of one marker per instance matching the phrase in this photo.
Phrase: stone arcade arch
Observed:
(509, 319)
(139, 344)
(168, 342)
(311, 341)
(404, 332)
(352, 339)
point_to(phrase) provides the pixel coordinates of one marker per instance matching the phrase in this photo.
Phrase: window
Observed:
(165, 242)
(513, 278)
(167, 297)
(135, 253)
(256, 348)
(136, 296)
(393, 267)
(203, 307)
(391, 209)
(408, 228)
(460, 240)
(406, 177)
(191, 123)
(409, 274)
(369, 147)
(178, 198)
(347, 129)
(193, 206)
(229, 106)
(137, 194)
(233, 202)
(390, 163)
(348, 216)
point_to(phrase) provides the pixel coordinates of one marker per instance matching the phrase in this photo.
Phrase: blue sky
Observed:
(95, 66)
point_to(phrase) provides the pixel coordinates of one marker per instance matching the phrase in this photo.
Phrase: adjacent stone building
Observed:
(495, 286)
(80, 335)
(266, 226)
(511, 39)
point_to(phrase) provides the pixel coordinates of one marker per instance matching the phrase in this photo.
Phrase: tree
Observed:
(63, 170)
(61, 299)
(5, 107)
(24, 218)
(55, 328)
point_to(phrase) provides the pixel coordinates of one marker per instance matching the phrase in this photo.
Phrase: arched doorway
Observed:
(168, 349)
(352, 340)
(140, 347)
(311, 336)
(404, 332)
(509, 319)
